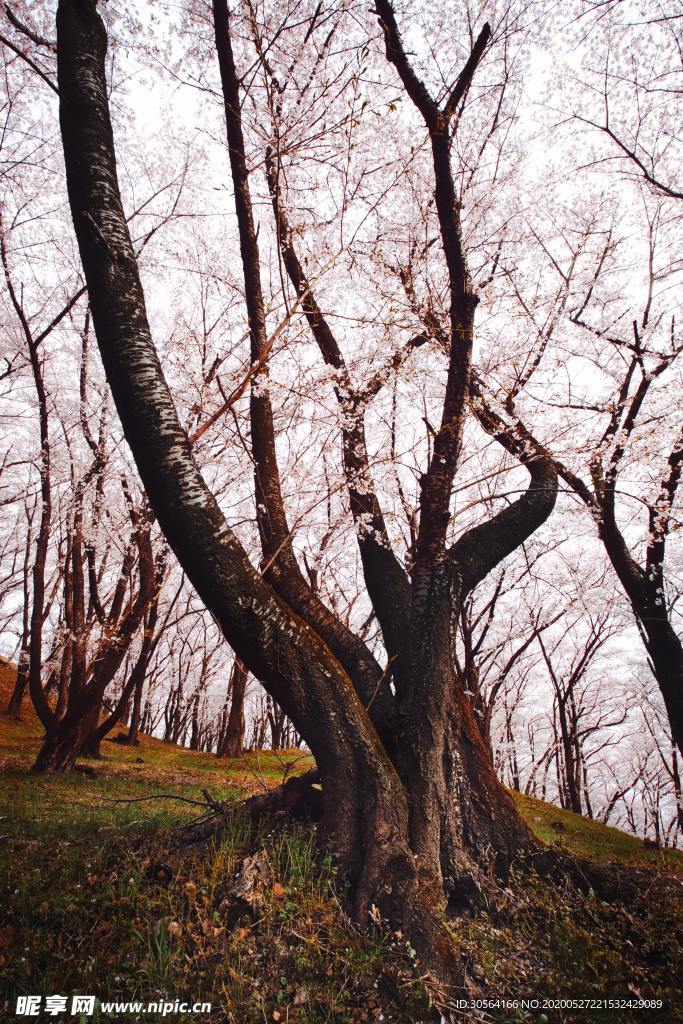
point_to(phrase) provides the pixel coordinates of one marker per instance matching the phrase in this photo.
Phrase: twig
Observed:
(34, 67)
(215, 805)
(157, 796)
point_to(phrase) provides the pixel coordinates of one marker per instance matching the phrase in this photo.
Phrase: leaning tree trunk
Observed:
(398, 827)
(666, 656)
(366, 812)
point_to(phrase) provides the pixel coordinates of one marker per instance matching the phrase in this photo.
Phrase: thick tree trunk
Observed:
(61, 746)
(462, 821)
(401, 825)
(90, 744)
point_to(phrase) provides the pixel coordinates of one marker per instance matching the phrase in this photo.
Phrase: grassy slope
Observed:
(79, 915)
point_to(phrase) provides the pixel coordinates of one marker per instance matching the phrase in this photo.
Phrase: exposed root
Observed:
(612, 882)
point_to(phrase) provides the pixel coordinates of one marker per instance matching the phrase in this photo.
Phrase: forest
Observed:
(340, 458)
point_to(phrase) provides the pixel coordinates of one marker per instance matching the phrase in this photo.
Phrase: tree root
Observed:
(409, 907)
(612, 881)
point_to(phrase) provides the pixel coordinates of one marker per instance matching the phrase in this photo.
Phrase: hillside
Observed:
(95, 900)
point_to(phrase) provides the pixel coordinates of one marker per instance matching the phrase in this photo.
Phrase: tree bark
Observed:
(232, 743)
(403, 827)
(67, 736)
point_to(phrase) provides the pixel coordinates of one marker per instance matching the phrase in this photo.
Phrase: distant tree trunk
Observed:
(195, 731)
(16, 700)
(17, 697)
(146, 719)
(232, 743)
(134, 684)
(259, 727)
(277, 720)
(66, 737)
(135, 715)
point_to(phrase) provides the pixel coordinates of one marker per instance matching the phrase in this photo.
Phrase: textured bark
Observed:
(61, 748)
(406, 824)
(76, 729)
(232, 742)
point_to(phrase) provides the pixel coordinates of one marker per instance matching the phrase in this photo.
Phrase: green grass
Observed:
(591, 839)
(81, 913)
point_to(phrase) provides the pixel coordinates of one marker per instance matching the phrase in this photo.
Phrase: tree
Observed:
(231, 737)
(625, 102)
(411, 801)
(639, 349)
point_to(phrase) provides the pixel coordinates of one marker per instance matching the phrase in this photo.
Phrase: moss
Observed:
(585, 837)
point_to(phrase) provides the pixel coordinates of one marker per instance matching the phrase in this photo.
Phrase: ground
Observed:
(94, 898)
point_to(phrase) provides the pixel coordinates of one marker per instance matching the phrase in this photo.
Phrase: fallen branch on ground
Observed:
(298, 797)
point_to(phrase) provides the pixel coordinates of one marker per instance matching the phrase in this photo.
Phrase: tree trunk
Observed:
(403, 830)
(90, 745)
(61, 746)
(232, 743)
(461, 818)
(16, 700)
(666, 656)
(195, 731)
(135, 716)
